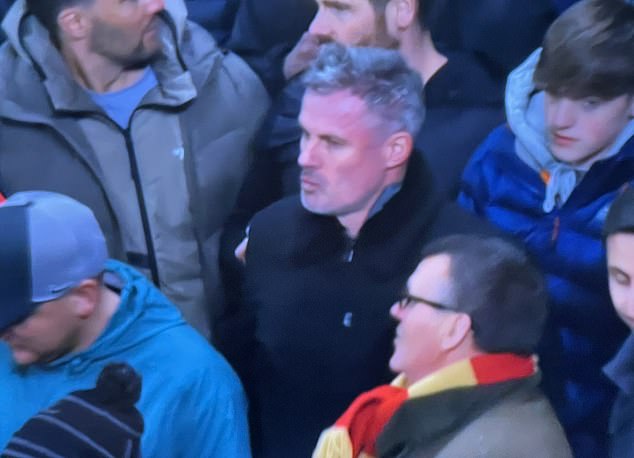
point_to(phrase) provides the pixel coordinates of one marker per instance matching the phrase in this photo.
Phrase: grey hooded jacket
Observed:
(161, 188)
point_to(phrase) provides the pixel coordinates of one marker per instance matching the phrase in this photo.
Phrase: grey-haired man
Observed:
(323, 268)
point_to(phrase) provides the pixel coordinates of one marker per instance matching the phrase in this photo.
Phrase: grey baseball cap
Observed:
(49, 243)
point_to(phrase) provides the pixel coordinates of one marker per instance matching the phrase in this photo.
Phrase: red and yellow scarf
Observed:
(354, 434)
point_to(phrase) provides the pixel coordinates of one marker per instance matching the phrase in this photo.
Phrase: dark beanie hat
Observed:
(621, 215)
(101, 422)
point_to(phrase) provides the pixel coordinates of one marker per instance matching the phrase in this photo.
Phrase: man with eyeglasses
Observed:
(469, 319)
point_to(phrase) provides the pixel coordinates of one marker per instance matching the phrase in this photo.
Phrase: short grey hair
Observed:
(380, 77)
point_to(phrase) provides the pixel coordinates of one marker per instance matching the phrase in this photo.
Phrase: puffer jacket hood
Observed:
(526, 118)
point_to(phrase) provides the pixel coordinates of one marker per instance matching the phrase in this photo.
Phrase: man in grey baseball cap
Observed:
(55, 244)
(66, 311)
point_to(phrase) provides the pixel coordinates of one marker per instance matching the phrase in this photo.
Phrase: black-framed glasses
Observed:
(408, 300)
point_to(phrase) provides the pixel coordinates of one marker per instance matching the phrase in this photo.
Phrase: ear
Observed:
(398, 148)
(632, 106)
(85, 298)
(458, 328)
(405, 12)
(73, 23)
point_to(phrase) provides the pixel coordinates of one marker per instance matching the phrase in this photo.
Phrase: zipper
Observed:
(145, 221)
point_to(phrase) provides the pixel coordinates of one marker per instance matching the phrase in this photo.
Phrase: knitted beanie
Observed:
(101, 422)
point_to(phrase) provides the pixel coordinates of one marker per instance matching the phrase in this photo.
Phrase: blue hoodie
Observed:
(192, 402)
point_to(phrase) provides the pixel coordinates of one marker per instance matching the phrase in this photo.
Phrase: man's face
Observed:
(344, 168)
(126, 31)
(351, 23)
(417, 345)
(620, 254)
(48, 333)
(579, 129)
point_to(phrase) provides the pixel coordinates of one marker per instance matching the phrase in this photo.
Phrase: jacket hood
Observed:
(526, 118)
(138, 297)
(175, 10)
(525, 108)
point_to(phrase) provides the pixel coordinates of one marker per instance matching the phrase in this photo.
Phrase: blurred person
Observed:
(469, 321)
(619, 234)
(67, 311)
(548, 178)
(137, 113)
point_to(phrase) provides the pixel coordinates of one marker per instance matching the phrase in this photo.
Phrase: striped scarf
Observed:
(354, 434)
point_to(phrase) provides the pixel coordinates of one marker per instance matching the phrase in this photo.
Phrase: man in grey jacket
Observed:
(134, 111)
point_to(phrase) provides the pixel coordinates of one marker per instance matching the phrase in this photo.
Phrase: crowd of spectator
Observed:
(226, 226)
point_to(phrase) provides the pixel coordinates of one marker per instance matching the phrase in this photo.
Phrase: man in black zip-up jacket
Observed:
(322, 269)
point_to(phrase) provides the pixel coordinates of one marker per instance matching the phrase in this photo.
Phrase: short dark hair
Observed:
(588, 51)
(46, 11)
(496, 284)
(621, 215)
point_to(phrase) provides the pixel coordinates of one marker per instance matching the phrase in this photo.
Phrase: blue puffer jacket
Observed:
(583, 331)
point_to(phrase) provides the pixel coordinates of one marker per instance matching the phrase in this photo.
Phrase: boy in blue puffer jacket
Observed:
(549, 177)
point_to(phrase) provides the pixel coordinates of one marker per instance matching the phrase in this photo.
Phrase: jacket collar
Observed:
(31, 42)
(414, 206)
(424, 421)
(621, 369)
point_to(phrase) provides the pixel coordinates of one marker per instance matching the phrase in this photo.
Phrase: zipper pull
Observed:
(555, 233)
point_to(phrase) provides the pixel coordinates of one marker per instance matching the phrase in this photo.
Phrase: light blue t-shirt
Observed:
(120, 105)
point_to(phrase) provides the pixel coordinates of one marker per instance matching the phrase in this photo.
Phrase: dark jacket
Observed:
(264, 32)
(621, 428)
(322, 328)
(463, 103)
(500, 32)
(511, 419)
(217, 16)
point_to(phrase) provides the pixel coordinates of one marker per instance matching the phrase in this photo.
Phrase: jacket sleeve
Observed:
(216, 425)
(474, 185)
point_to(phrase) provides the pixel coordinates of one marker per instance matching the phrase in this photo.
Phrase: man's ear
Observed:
(85, 297)
(405, 12)
(73, 23)
(398, 148)
(458, 328)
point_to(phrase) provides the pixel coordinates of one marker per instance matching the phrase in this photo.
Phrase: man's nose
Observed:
(309, 153)
(561, 113)
(155, 6)
(320, 27)
(396, 311)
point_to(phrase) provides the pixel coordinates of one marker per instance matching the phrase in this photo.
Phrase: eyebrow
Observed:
(614, 269)
(335, 4)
